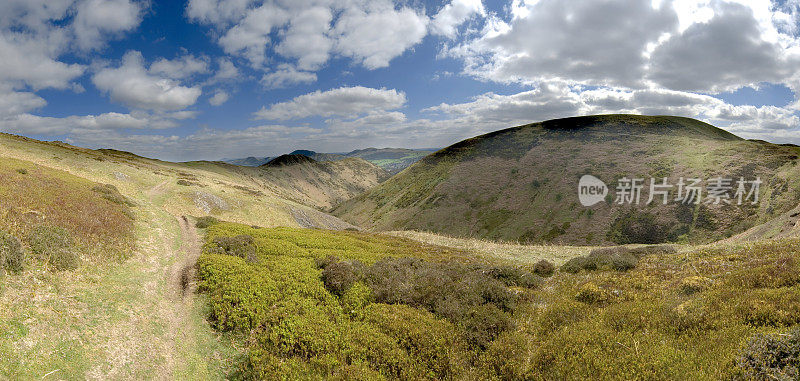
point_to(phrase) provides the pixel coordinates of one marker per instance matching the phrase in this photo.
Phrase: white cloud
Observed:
(306, 38)
(310, 32)
(555, 100)
(133, 86)
(344, 101)
(13, 103)
(377, 33)
(598, 42)
(286, 75)
(217, 11)
(179, 68)
(691, 45)
(219, 98)
(97, 20)
(250, 36)
(725, 53)
(26, 60)
(455, 13)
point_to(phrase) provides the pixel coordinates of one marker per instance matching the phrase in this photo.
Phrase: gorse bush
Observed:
(636, 226)
(323, 304)
(544, 268)
(514, 276)
(340, 276)
(423, 312)
(473, 297)
(206, 221)
(111, 193)
(12, 256)
(54, 245)
(618, 258)
(241, 246)
(771, 357)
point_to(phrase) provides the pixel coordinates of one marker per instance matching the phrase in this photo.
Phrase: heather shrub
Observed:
(338, 277)
(544, 268)
(44, 240)
(770, 357)
(64, 260)
(591, 293)
(637, 227)
(111, 193)
(574, 265)
(694, 284)
(12, 257)
(54, 245)
(471, 297)
(206, 221)
(513, 276)
(242, 246)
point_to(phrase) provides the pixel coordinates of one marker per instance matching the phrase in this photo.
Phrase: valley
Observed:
(475, 262)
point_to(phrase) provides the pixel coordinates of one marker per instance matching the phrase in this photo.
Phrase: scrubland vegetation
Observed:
(49, 217)
(318, 304)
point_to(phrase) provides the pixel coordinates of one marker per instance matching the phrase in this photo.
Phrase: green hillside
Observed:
(521, 183)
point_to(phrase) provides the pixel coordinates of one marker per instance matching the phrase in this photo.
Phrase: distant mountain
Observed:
(521, 183)
(392, 160)
(290, 159)
(248, 161)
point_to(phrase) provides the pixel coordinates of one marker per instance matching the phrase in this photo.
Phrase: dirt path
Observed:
(158, 189)
(182, 273)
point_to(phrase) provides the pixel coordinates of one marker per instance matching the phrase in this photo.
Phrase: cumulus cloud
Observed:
(179, 68)
(372, 33)
(597, 42)
(286, 75)
(455, 13)
(377, 32)
(96, 20)
(725, 53)
(306, 38)
(132, 85)
(219, 98)
(344, 101)
(704, 46)
(26, 60)
(14, 103)
(557, 100)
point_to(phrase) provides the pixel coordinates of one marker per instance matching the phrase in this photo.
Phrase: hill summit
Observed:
(521, 183)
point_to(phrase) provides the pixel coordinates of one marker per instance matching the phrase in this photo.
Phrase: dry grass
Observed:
(506, 252)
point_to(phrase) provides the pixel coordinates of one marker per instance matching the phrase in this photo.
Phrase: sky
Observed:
(211, 79)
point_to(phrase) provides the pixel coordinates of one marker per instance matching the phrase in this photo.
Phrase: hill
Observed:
(392, 160)
(321, 184)
(521, 183)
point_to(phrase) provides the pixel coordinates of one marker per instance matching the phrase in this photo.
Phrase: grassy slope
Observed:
(520, 183)
(112, 318)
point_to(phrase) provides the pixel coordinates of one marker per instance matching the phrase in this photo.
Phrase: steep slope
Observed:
(321, 184)
(521, 183)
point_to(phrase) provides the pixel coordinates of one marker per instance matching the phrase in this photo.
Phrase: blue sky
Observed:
(207, 79)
